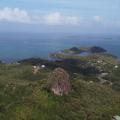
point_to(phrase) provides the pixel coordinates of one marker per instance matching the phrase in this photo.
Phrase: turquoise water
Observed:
(16, 46)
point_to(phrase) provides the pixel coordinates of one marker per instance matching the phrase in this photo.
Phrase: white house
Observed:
(43, 66)
(116, 66)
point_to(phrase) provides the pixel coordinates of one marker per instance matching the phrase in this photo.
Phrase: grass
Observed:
(23, 97)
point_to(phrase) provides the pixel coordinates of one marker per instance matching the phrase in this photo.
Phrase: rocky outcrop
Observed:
(58, 82)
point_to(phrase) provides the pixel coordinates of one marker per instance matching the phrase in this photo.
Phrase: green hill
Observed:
(23, 96)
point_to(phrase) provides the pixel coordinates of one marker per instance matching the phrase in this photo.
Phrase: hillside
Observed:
(23, 96)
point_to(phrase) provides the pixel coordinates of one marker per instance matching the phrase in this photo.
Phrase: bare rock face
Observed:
(59, 82)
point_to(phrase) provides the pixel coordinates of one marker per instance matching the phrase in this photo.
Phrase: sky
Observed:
(82, 16)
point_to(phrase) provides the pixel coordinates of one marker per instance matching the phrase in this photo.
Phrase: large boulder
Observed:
(59, 82)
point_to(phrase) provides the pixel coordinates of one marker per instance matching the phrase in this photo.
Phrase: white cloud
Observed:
(55, 18)
(14, 15)
(59, 19)
(98, 19)
(22, 16)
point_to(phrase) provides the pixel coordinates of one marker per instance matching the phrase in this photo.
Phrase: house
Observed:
(43, 66)
(116, 66)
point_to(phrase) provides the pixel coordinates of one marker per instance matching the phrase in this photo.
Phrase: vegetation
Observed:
(25, 96)
(58, 82)
(77, 50)
(96, 49)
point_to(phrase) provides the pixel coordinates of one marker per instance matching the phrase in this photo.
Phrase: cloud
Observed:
(98, 19)
(14, 15)
(53, 19)
(22, 16)
(59, 19)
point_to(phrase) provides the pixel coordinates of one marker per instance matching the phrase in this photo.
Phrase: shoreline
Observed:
(55, 56)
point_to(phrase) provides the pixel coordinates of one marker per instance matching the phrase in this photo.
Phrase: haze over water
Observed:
(16, 46)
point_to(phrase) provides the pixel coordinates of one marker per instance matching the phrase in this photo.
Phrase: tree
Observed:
(59, 82)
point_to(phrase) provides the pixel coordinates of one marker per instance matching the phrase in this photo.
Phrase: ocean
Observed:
(17, 46)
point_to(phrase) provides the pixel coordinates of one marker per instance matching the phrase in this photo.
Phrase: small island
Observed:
(79, 50)
(81, 53)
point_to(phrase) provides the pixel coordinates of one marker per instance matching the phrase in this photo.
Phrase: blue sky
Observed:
(82, 15)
